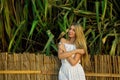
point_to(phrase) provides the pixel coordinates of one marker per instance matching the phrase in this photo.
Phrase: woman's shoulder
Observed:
(63, 40)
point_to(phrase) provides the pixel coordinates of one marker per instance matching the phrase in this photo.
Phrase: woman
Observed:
(71, 51)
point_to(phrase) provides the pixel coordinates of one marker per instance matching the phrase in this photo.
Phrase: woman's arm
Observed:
(74, 60)
(62, 53)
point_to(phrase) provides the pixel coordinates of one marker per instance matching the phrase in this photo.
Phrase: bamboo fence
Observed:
(31, 66)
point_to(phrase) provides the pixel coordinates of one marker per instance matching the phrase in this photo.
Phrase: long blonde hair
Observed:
(80, 43)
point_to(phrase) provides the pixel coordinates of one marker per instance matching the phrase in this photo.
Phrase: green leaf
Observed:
(48, 50)
(1, 7)
(35, 22)
(65, 21)
(80, 4)
(1, 29)
(94, 40)
(97, 11)
(83, 12)
(51, 36)
(7, 21)
(84, 22)
(40, 5)
(46, 8)
(104, 8)
(113, 47)
(12, 40)
(17, 43)
(54, 47)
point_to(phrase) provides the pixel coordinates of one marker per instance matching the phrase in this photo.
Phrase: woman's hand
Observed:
(62, 47)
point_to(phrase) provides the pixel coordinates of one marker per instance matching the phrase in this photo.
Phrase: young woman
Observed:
(71, 51)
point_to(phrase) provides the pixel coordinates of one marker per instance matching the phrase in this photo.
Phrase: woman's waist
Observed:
(66, 63)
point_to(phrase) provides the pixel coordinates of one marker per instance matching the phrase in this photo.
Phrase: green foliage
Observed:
(37, 25)
(50, 43)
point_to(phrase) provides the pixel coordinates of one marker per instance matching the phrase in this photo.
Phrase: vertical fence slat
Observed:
(47, 66)
(96, 70)
(17, 60)
(32, 65)
(10, 66)
(5, 56)
(55, 67)
(41, 66)
(25, 65)
(2, 65)
(116, 64)
(110, 66)
(101, 68)
(37, 66)
(99, 64)
(119, 65)
(105, 67)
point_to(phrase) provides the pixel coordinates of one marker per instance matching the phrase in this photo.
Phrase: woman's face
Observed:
(71, 32)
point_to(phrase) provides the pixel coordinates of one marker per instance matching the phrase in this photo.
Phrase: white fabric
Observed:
(69, 72)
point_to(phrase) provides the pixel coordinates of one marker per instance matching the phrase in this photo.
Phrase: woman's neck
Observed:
(71, 40)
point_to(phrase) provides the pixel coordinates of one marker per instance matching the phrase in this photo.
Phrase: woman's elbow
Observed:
(60, 57)
(73, 64)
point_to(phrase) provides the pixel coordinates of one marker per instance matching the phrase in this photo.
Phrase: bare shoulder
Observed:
(63, 40)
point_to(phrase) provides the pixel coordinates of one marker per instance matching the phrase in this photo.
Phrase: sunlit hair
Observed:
(80, 42)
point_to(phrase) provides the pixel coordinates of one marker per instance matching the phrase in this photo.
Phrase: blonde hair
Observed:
(80, 43)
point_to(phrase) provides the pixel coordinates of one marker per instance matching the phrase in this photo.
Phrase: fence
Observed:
(28, 66)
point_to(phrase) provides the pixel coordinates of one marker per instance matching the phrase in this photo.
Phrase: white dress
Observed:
(69, 72)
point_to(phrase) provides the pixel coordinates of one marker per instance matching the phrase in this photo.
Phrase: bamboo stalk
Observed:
(103, 75)
(51, 73)
(19, 72)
